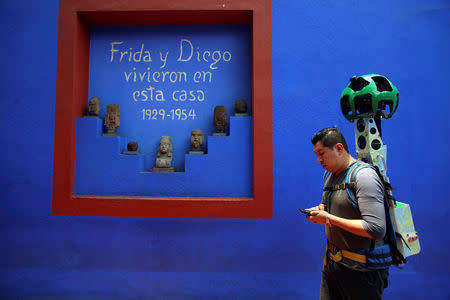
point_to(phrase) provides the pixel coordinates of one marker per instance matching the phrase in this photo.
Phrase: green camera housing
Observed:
(368, 96)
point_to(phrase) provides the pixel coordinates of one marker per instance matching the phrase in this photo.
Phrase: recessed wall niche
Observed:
(80, 22)
(167, 81)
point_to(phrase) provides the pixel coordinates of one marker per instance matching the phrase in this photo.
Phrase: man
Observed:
(347, 231)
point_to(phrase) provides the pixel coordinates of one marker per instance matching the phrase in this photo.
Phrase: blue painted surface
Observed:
(225, 171)
(168, 79)
(197, 285)
(317, 46)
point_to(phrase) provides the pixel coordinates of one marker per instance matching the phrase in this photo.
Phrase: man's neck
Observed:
(347, 161)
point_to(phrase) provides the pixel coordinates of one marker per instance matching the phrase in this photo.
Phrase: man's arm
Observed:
(370, 197)
(354, 226)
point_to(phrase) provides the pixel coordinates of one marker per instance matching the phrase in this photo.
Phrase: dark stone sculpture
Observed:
(220, 120)
(112, 120)
(132, 149)
(240, 108)
(197, 138)
(164, 156)
(93, 108)
(132, 146)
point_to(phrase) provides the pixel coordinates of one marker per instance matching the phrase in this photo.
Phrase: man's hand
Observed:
(318, 216)
(318, 207)
(316, 213)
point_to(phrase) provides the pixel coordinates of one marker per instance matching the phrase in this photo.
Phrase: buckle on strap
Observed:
(337, 257)
(335, 252)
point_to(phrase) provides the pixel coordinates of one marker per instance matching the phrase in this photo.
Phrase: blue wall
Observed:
(317, 46)
(106, 171)
(224, 81)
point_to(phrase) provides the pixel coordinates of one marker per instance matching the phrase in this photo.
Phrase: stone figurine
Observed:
(240, 108)
(93, 108)
(164, 156)
(132, 148)
(112, 120)
(220, 120)
(197, 138)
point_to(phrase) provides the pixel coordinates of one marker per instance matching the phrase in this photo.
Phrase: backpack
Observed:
(398, 238)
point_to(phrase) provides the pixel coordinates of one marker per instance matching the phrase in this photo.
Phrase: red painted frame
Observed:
(75, 19)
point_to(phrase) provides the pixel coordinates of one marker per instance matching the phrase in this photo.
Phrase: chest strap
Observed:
(342, 186)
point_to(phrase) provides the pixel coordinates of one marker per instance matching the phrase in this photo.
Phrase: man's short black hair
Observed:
(329, 138)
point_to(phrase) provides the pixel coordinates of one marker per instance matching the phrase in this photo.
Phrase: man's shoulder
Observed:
(366, 171)
(368, 177)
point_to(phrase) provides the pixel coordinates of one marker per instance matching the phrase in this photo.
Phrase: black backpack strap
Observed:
(341, 186)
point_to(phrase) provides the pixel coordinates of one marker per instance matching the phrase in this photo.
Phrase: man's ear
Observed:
(339, 147)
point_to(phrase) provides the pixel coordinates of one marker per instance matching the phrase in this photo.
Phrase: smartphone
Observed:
(305, 211)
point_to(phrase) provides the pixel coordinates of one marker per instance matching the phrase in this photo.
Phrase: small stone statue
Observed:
(220, 120)
(93, 108)
(240, 108)
(132, 149)
(164, 156)
(112, 120)
(197, 138)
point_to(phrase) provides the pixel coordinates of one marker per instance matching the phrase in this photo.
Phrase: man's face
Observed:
(328, 158)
